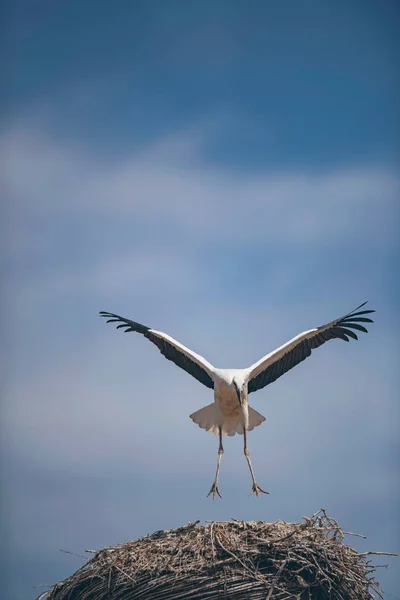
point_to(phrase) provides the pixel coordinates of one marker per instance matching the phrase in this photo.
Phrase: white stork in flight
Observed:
(230, 412)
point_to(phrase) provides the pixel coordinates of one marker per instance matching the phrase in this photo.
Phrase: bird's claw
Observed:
(257, 490)
(214, 490)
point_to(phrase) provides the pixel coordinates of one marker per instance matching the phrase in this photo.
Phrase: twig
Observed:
(212, 541)
(364, 537)
(276, 579)
(123, 573)
(73, 553)
(379, 553)
(236, 557)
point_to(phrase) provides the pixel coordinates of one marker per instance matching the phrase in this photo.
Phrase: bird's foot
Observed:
(214, 490)
(257, 490)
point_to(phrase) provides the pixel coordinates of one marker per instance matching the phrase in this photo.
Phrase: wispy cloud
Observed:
(98, 217)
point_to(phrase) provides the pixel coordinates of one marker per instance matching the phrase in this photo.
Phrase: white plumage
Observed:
(230, 412)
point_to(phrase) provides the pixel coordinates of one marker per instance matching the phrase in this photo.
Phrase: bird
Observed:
(230, 412)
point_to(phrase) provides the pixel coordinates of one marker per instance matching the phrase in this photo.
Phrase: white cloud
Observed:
(162, 224)
(169, 182)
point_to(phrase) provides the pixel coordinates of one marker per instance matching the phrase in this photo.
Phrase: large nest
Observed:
(232, 560)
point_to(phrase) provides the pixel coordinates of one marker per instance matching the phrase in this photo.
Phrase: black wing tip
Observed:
(130, 325)
(364, 312)
(111, 317)
(352, 321)
(354, 314)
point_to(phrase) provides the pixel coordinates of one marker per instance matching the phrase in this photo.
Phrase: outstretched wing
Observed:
(184, 358)
(275, 364)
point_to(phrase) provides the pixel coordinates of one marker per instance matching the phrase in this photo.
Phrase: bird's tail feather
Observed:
(255, 418)
(207, 418)
(210, 418)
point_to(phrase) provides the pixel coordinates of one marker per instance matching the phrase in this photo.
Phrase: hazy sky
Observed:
(226, 172)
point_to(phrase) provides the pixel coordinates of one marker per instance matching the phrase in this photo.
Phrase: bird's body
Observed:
(230, 412)
(226, 411)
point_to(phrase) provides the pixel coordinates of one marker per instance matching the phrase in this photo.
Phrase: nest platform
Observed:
(231, 560)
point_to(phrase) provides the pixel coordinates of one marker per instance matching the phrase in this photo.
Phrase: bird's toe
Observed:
(214, 491)
(257, 490)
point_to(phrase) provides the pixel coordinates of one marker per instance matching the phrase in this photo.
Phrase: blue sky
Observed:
(226, 172)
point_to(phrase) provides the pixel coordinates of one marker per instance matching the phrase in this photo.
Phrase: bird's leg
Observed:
(256, 488)
(214, 488)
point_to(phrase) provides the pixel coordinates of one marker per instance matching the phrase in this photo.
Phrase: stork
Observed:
(230, 412)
